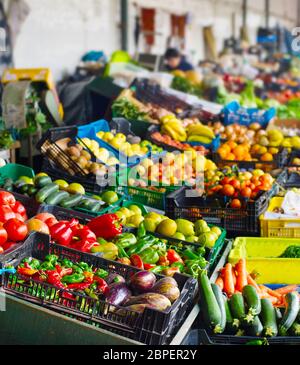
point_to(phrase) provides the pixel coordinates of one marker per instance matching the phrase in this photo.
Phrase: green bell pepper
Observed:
(73, 279)
(52, 259)
(46, 265)
(141, 231)
(149, 256)
(125, 240)
(122, 253)
(157, 269)
(35, 264)
(180, 266)
(142, 244)
(85, 267)
(101, 273)
(67, 263)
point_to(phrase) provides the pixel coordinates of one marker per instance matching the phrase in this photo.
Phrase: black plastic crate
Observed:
(151, 327)
(289, 178)
(91, 183)
(202, 337)
(216, 211)
(65, 214)
(280, 160)
(293, 155)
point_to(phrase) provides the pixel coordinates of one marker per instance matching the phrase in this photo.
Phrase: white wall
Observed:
(58, 32)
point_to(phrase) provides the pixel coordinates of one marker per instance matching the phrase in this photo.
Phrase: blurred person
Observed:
(176, 61)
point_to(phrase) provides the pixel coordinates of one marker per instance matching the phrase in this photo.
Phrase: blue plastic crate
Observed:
(235, 113)
(91, 130)
(212, 146)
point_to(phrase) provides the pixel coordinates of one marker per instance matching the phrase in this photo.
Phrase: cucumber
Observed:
(237, 308)
(290, 314)
(268, 318)
(220, 299)
(43, 194)
(295, 329)
(210, 308)
(24, 189)
(71, 201)
(42, 181)
(253, 302)
(231, 328)
(85, 203)
(255, 328)
(95, 207)
(56, 197)
(32, 190)
(19, 183)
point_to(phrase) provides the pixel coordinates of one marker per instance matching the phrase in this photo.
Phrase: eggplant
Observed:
(152, 300)
(167, 288)
(113, 278)
(142, 281)
(118, 294)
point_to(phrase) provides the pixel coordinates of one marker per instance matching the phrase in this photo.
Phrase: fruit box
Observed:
(281, 227)
(262, 256)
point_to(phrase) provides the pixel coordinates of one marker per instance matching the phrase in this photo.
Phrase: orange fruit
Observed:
(248, 157)
(230, 157)
(226, 147)
(255, 148)
(267, 157)
(223, 153)
(273, 150)
(239, 152)
(232, 144)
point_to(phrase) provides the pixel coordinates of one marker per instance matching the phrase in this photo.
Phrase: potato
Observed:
(74, 151)
(86, 154)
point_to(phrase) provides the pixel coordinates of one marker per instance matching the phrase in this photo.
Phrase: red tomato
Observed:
(228, 190)
(3, 234)
(246, 192)
(7, 198)
(235, 204)
(51, 221)
(16, 230)
(6, 213)
(44, 216)
(1, 250)
(20, 209)
(236, 184)
(20, 217)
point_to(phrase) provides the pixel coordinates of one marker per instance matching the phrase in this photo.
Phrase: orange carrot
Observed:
(268, 296)
(241, 279)
(286, 289)
(234, 277)
(228, 280)
(252, 282)
(220, 282)
(273, 293)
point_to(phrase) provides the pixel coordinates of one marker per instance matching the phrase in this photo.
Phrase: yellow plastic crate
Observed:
(279, 227)
(261, 255)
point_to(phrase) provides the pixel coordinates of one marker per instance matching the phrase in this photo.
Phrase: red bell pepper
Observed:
(106, 226)
(173, 256)
(84, 239)
(63, 271)
(149, 266)
(61, 233)
(101, 285)
(79, 286)
(54, 278)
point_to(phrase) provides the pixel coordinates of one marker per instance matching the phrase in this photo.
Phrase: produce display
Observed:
(59, 192)
(141, 291)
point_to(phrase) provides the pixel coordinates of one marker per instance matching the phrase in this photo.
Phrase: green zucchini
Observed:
(24, 189)
(32, 190)
(253, 302)
(295, 329)
(290, 314)
(19, 183)
(42, 181)
(210, 308)
(43, 194)
(268, 318)
(220, 299)
(231, 328)
(71, 201)
(56, 197)
(255, 328)
(237, 308)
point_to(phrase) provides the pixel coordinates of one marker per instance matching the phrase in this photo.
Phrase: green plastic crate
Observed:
(14, 171)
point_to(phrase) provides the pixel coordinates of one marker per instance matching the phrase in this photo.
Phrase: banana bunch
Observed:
(173, 127)
(200, 133)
